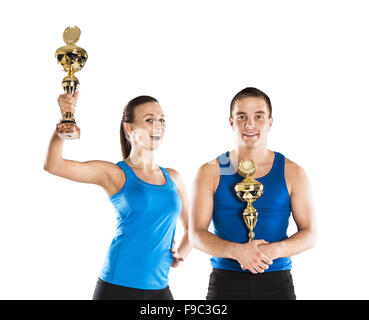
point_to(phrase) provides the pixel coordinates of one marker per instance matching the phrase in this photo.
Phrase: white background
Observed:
(310, 57)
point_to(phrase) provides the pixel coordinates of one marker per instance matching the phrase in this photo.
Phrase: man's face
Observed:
(251, 122)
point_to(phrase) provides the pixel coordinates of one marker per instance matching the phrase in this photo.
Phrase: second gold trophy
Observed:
(249, 190)
(72, 58)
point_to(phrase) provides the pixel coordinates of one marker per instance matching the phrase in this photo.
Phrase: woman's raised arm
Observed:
(102, 173)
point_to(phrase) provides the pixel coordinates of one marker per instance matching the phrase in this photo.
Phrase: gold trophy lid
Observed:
(247, 168)
(71, 35)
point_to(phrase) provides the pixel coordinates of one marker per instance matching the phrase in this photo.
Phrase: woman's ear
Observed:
(128, 128)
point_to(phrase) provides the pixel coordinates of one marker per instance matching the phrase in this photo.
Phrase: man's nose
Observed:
(250, 124)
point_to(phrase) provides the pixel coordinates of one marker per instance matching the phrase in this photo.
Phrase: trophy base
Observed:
(68, 131)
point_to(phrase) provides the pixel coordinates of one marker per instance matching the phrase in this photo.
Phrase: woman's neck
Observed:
(141, 158)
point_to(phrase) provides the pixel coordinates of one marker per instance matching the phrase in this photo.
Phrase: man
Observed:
(259, 269)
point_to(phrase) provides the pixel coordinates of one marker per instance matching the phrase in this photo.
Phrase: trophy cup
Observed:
(72, 58)
(249, 190)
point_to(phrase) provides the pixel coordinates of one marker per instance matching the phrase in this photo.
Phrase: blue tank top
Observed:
(139, 255)
(273, 208)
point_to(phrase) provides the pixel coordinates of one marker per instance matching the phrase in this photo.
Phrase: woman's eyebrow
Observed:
(150, 114)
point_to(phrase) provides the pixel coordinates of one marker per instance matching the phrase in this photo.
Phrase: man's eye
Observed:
(241, 117)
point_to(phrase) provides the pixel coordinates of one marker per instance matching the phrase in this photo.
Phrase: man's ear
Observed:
(231, 121)
(270, 120)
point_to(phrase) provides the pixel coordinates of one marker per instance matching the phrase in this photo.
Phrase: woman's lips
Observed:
(155, 137)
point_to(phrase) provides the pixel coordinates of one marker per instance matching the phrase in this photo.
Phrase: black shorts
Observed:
(108, 291)
(237, 285)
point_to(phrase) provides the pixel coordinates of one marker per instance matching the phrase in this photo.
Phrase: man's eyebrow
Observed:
(241, 112)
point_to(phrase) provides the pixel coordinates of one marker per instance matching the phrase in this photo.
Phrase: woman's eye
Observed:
(162, 120)
(149, 120)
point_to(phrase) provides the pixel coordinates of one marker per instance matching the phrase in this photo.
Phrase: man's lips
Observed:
(250, 134)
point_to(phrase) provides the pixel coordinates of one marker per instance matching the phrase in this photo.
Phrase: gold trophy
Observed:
(72, 58)
(249, 190)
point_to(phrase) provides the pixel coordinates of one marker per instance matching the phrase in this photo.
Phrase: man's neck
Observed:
(259, 155)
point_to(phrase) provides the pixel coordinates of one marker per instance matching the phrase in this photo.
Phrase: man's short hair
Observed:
(251, 92)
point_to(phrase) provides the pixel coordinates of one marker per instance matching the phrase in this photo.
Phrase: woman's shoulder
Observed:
(174, 174)
(110, 167)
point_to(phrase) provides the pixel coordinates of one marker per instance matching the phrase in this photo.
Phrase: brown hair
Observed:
(251, 92)
(129, 117)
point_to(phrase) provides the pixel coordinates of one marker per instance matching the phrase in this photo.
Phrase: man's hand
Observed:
(250, 257)
(270, 250)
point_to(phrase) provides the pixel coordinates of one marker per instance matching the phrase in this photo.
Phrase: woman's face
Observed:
(148, 129)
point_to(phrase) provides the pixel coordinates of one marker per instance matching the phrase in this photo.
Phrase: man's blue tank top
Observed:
(139, 255)
(273, 208)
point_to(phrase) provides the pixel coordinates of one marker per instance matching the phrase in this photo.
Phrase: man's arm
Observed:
(248, 254)
(303, 213)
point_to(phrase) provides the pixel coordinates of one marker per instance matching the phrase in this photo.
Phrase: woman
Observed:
(148, 199)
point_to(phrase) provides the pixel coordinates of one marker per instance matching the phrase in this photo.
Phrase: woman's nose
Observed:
(157, 125)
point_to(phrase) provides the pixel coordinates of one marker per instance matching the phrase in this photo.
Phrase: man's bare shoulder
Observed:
(294, 171)
(210, 167)
(208, 172)
(208, 175)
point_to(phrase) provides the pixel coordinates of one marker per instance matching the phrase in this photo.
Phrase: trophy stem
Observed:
(70, 84)
(250, 216)
(68, 117)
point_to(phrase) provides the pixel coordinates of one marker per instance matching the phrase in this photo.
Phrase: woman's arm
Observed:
(184, 246)
(101, 173)
(88, 172)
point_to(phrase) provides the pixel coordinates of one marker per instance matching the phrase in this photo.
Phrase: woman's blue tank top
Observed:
(273, 208)
(139, 255)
